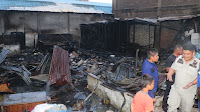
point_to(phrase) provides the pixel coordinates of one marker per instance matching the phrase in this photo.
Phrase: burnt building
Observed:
(173, 17)
(32, 19)
(154, 8)
(122, 36)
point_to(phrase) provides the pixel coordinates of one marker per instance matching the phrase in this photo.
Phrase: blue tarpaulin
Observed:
(27, 4)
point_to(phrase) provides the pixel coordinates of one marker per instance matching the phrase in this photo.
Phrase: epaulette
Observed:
(180, 60)
(194, 64)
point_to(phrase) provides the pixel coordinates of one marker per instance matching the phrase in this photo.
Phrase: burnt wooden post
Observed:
(136, 63)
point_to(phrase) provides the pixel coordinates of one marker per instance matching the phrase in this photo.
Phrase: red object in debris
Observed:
(60, 72)
(31, 109)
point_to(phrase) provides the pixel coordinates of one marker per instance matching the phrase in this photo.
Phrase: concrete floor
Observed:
(158, 105)
(159, 109)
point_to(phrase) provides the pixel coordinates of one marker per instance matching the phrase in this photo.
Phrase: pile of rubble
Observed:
(63, 75)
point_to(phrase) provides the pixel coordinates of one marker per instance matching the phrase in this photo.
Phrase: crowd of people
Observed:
(182, 80)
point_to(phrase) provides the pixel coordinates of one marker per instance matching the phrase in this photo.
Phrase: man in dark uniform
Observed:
(177, 51)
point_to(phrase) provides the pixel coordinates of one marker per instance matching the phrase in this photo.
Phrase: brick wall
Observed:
(167, 35)
(154, 8)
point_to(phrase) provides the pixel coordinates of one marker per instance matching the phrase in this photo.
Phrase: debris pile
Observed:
(120, 73)
(62, 74)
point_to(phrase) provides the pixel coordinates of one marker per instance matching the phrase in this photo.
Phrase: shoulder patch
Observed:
(194, 64)
(180, 61)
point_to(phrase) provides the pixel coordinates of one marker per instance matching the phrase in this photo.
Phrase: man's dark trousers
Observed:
(165, 98)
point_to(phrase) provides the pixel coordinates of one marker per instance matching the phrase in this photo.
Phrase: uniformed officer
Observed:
(184, 88)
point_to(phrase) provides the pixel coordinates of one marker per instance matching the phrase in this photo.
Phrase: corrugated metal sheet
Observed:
(177, 17)
(56, 6)
(3, 54)
(60, 72)
(77, 2)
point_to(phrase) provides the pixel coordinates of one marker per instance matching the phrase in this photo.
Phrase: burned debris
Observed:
(124, 36)
(71, 75)
(79, 56)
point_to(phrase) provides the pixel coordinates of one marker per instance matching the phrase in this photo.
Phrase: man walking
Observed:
(149, 67)
(177, 51)
(184, 89)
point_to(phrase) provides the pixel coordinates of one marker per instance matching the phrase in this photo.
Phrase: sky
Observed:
(102, 1)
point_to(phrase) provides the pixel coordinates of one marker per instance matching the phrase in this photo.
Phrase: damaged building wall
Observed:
(178, 31)
(128, 35)
(119, 36)
(34, 23)
(154, 8)
(168, 31)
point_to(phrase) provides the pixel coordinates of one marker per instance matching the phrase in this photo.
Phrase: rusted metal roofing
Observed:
(59, 71)
(160, 19)
(177, 17)
(56, 6)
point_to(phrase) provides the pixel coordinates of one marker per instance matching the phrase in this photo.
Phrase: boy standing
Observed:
(142, 102)
(149, 67)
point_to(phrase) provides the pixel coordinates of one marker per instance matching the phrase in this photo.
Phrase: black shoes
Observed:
(164, 108)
